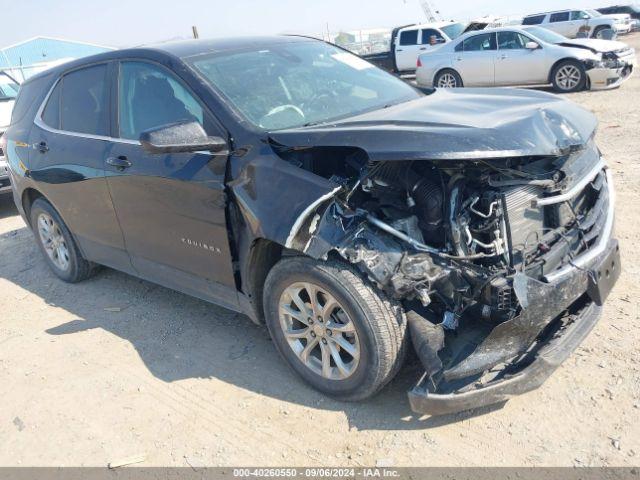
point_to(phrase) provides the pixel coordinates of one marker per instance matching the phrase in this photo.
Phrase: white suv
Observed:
(571, 23)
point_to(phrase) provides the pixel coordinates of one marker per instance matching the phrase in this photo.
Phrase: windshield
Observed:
(594, 13)
(546, 35)
(8, 87)
(301, 83)
(454, 31)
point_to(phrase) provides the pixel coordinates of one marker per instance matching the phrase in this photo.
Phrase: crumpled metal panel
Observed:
(457, 124)
(543, 302)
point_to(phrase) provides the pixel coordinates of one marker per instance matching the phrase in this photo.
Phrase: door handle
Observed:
(398, 49)
(120, 162)
(423, 48)
(42, 147)
(503, 56)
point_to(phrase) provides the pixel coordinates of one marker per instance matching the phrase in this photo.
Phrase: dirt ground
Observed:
(117, 367)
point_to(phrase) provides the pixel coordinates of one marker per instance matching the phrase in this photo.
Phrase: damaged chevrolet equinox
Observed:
(355, 215)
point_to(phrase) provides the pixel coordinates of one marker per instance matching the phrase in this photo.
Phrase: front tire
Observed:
(597, 32)
(569, 76)
(333, 328)
(57, 244)
(447, 79)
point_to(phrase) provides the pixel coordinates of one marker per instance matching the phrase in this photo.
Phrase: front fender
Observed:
(274, 196)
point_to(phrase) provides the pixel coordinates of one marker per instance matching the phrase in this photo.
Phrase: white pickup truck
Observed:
(408, 42)
(575, 23)
(8, 92)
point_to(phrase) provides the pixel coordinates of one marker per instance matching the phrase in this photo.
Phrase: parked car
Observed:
(8, 91)
(526, 56)
(294, 182)
(409, 41)
(633, 10)
(575, 23)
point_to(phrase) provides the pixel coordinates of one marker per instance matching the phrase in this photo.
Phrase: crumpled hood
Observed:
(457, 124)
(601, 46)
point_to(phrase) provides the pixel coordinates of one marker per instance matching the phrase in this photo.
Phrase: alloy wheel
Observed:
(53, 241)
(568, 77)
(319, 331)
(447, 80)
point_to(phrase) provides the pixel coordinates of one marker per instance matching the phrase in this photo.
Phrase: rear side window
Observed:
(79, 103)
(533, 20)
(559, 17)
(409, 37)
(512, 41)
(480, 43)
(51, 114)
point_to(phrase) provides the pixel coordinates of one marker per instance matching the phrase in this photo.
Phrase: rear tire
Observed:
(569, 76)
(447, 78)
(363, 334)
(57, 244)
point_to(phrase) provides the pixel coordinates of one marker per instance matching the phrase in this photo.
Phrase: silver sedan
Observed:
(526, 56)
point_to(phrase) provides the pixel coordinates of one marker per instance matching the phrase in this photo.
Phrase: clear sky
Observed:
(132, 22)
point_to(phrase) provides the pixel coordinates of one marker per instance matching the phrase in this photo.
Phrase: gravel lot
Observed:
(117, 367)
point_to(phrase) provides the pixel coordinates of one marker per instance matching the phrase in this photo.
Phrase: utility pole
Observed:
(194, 29)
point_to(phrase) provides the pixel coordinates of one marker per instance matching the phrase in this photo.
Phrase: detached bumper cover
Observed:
(595, 280)
(547, 360)
(606, 78)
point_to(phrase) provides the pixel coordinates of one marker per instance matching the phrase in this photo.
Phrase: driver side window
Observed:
(579, 15)
(512, 41)
(149, 97)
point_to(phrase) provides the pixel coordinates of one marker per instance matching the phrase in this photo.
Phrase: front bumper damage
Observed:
(560, 336)
(608, 78)
(520, 354)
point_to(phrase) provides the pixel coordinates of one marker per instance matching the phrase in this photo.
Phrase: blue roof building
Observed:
(29, 57)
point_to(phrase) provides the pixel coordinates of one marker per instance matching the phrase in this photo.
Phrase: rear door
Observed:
(579, 21)
(172, 207)
(560, 22)
(407, 49)
(516, 64)
(476, 62)
(70, 140)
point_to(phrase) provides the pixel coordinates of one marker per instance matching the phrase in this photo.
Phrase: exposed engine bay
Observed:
(458, 242)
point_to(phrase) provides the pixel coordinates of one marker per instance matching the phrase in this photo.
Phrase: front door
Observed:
(518, 65)
(171, 206)
(407, 50)
(476, 62)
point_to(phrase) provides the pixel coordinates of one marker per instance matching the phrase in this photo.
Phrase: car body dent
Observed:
(456, 124)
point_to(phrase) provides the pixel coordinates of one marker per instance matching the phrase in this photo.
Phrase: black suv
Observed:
(290, 180)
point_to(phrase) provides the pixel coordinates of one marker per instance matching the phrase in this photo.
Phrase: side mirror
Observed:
(179, 138)
(532, 46)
